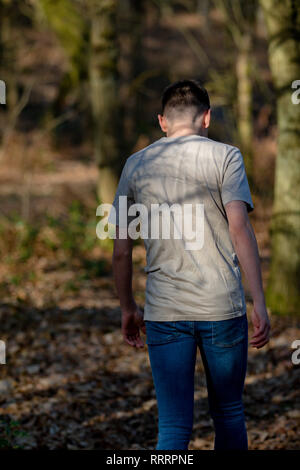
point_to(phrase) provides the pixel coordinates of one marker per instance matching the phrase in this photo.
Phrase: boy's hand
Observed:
(132, 322)
(261, 326)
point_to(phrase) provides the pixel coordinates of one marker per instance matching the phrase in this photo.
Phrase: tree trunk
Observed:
(103, 76)
(8, 59)
(244, 101)
(283, 24)
(240, 18)
(132, 17)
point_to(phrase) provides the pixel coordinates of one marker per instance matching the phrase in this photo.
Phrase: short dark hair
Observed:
(183, 94)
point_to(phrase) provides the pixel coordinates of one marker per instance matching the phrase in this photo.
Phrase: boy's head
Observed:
(185, 106)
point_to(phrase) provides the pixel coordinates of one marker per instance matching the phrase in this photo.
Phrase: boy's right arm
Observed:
(245, 245)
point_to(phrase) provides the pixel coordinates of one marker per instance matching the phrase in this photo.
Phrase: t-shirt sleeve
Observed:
(123, 199)
(235, 186)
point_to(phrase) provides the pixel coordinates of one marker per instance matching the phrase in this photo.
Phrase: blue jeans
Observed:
(172, 347)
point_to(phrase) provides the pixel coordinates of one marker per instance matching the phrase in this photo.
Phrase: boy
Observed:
(194, 294)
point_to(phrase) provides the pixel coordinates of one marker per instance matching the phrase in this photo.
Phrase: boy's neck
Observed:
(189, 131)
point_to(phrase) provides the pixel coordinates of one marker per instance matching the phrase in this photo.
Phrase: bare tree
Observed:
(96, 20)
(105, 102)
(283, 24)
(240, 16)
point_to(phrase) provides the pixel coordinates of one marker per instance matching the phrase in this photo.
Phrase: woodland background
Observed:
(83, 85)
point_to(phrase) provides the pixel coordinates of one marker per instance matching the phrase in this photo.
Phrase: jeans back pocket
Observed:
(160, 332)
(228, 333)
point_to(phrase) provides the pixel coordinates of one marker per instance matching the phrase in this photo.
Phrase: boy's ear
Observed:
(206, 119)
(162, 122)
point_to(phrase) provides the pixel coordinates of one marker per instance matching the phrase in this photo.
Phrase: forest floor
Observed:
(70, 381)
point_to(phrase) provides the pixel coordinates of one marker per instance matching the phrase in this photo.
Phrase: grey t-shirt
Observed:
(202, 283)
